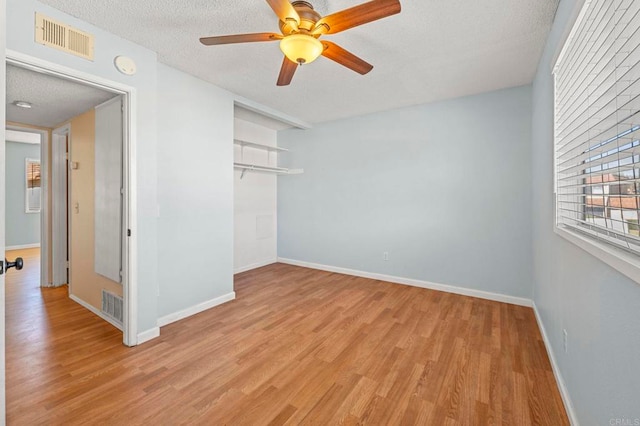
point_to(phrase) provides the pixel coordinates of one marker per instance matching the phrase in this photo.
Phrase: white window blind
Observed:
(33, 186)
(597, 124)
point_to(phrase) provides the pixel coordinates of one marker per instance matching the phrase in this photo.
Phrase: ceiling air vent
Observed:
(63, 37)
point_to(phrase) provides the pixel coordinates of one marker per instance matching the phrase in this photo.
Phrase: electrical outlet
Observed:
(565, 338)
(385, 256)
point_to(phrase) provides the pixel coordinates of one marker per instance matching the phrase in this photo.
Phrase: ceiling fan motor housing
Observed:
(308, 18)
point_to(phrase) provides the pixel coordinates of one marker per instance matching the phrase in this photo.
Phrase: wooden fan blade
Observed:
(286, 12)
(240, 38)
(343, 57)
(357, 15)
(286, 72)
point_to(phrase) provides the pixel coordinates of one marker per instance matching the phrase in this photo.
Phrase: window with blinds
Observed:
(33, 193)
(597, 124)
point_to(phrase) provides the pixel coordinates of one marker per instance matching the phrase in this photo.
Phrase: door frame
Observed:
(57, 230)
(129, 102)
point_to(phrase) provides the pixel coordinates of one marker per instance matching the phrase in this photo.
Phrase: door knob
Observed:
(18, 264)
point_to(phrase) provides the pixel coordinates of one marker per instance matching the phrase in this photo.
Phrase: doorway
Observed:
(23, 213)
(66, 183)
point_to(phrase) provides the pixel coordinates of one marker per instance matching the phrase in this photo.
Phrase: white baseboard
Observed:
(521, 301)
(147, 335)
(95, 311)
(254, 266)
(564, 392)
(177, 316)
(23, 246)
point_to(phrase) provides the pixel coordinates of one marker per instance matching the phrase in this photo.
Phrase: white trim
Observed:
(130, 220)
(45, 242)
(22, 246)
(620, 260)
(254, 266)
(196, 309)
(130, 269)
(61, 182)
(95, 311)
(147, 335)
(521, 301)
(564, 392)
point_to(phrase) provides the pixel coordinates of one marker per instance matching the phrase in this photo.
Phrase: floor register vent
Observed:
(63, 37)
(112, 306)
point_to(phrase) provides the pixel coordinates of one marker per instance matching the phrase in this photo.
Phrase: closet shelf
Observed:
(259, 146)
(268, 169)
(260, 168)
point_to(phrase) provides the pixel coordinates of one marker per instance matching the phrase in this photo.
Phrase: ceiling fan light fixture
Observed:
(301, 48)
(22, 104)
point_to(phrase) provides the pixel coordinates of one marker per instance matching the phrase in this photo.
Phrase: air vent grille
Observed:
(112, 306)
(52, 33)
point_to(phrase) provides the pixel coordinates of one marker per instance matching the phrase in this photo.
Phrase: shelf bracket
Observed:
(242, 174)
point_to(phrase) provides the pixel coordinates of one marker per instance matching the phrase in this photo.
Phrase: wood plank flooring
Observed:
(298, 346)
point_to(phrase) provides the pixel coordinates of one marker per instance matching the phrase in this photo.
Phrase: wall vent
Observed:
(112, 306)
(61, 36)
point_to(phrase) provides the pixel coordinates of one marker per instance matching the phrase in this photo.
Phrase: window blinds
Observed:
(33, 174)
(597, 124)
(33, 194)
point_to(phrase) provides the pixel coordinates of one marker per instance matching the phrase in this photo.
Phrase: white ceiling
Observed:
(54, 100)
(432, 50)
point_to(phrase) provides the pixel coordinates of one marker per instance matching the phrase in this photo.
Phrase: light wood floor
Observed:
(298, 346)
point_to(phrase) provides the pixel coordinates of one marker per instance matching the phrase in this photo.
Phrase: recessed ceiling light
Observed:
(22, 104)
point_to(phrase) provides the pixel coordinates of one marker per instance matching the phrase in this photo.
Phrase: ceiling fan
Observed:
(301, 27)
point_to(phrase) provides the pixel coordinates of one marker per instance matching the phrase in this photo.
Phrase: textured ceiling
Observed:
(432, 50)
(54, 100)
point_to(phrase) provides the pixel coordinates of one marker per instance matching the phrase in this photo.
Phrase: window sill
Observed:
(620, 260)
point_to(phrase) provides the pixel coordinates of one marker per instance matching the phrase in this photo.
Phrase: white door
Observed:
(108, 190)
(2, 203)
(2, 178)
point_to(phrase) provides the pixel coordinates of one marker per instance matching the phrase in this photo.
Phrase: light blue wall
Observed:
(444, 188)
(195, 181)
(599, 308)
(19, 33)
(20, 228)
